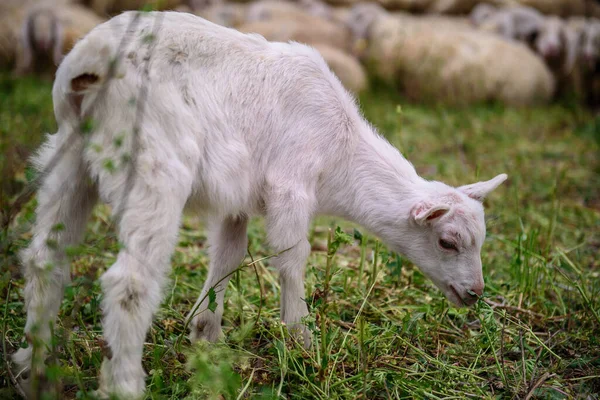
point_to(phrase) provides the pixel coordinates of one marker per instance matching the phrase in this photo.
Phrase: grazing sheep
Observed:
(590, 46)
(263, 10)
(233, 126)
(563, 8)
(416, 6)
(481, 13)
(358, 19)
(40, 42)
(419, 6)
(316, 8)
(346, 67)
(452, 6)
(278, 21)
(515, 23)
(113, 7)
(361, 16)
(558, 44)
(592, 9)
(302, 11)
(225, 14)
(199, 5)
(454, 65)
(276, 25)
(49, 30)
(440, 22)
(590, 62)
(11, 17)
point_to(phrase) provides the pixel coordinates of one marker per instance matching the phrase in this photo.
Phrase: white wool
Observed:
(442, 59)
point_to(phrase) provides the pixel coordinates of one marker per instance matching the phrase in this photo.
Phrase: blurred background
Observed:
(466, 89)
(516, 52)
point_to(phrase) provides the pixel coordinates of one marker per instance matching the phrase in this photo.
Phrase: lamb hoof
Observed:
(301, 334)
(205, 329)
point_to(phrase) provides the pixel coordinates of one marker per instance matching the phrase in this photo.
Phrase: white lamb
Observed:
(233, 126)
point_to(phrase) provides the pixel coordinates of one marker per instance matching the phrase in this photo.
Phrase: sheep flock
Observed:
(455, 52)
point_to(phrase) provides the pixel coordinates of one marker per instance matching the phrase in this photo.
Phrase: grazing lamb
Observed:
(233, 126)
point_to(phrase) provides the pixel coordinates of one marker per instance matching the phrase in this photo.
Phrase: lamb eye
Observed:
(448, 245)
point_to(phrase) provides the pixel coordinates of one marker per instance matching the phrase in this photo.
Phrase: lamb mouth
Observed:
(453, 289)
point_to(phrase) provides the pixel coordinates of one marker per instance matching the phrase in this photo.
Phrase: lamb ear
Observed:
(424, 212)
(478, 191)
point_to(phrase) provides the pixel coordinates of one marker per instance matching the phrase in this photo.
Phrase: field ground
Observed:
(381, 331)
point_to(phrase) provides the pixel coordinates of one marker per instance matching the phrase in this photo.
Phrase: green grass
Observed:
(380, 329)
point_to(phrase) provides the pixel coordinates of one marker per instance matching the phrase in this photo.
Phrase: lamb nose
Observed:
(477, 289)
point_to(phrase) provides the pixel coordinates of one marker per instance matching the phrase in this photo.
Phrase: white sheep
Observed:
(448, 62)
(360, 16)
(113, 7)
(481, 13)
(307, 29)
(233, 126)
(201, 5)
(226, 14)
(590, 62)
(49, 30)
(346, 67)
(590, 45)
(416, 6)
(12, 14)
(420, 6)
(452, 6)
(563, 8)
(558, 44)
(514, 23)
(266, 10)
(317, 8)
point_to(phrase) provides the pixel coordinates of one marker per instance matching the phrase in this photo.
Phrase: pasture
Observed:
(380, 329)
